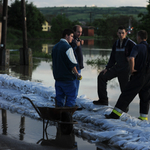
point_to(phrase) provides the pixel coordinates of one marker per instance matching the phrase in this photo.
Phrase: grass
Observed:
(98, 61)
(41, 55)
(87, 37)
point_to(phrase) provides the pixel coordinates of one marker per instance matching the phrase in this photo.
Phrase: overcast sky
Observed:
(98, 3)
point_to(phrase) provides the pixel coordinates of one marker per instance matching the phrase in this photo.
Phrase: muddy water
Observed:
(29, 130)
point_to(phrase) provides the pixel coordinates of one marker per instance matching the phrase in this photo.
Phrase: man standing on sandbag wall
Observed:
(64, 71)
(117, 66)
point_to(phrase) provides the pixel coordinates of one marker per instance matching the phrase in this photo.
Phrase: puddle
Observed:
(31, 131)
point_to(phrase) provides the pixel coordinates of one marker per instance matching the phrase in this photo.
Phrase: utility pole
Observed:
(25, 52)
(90, 17)
(3, 53)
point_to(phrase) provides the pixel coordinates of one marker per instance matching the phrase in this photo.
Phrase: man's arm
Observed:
(131, 64)
(74, 70)
(71, 57)
(75, 44)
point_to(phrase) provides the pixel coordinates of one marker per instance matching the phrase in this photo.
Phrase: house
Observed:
(46, 26)
(88, 31)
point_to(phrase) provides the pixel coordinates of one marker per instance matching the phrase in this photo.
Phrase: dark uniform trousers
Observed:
(139, 84)
(123, 77)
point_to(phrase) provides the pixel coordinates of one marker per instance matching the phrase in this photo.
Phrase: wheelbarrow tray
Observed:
(61, 115)
(54, 113)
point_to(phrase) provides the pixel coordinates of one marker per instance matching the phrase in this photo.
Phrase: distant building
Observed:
(46, 26)
(88, 31)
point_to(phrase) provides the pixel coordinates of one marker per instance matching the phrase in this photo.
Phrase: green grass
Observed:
(87, 37)
(41, 55)
(98, 61)
(11, 45)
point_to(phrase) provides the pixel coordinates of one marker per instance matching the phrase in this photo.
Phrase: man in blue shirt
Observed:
(139, 81)
(64, 70)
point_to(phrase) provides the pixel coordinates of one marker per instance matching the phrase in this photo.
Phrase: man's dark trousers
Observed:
(123, 77)
(139, 83)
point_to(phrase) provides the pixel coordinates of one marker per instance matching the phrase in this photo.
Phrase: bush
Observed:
(13, 33)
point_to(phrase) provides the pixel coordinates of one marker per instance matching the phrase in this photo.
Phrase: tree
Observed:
(107, 26)
(59, 23)
(34, 17)
(144, 22)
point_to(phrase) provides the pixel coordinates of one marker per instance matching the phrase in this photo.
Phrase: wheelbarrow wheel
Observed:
(66, 128)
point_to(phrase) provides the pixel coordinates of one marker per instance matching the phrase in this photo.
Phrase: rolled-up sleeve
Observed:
(71, 56)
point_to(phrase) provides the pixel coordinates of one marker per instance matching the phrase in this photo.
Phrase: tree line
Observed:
(105, 27)
(83, 13)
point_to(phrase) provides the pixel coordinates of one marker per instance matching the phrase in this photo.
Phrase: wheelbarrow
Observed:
(61, 115)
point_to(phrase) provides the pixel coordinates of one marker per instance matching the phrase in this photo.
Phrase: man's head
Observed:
(122, 32)
(77, 31)
(142, 36)
(68, 35)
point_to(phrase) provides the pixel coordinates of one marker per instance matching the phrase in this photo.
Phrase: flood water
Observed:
(30, 130)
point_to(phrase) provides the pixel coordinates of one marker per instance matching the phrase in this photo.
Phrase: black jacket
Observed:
(128, 48)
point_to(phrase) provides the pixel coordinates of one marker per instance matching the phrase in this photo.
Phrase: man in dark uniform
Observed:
(76, 45)
(117, 66)
(139, 82)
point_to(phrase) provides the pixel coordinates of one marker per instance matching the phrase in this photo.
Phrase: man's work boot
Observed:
(127, 109)
(143, 118)
(114, 115)
(99, 102)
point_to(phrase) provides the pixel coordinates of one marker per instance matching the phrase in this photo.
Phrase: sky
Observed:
(98, 3)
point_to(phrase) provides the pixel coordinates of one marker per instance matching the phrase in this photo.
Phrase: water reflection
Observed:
(23, 72)
(4, 121)
(61, 140)
(55, 138)
(47, 48)
(22, 128)
(106, 147)
(4, 69)
(89, 42)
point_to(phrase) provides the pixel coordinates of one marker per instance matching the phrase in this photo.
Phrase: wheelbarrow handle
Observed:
(33, 105)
